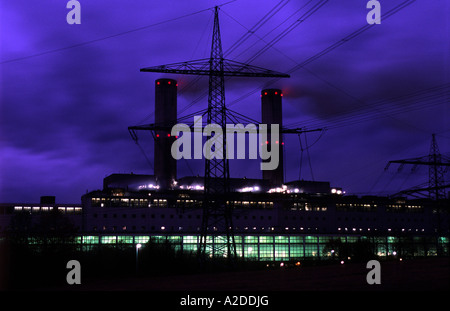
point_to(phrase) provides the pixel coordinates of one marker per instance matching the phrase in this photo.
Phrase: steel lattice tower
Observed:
(437, 166)
(217, 215)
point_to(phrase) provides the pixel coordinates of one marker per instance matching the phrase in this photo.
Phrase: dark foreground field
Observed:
(407, 275)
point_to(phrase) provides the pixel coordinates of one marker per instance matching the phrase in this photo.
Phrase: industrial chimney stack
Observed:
(165, 118)
(272, 114)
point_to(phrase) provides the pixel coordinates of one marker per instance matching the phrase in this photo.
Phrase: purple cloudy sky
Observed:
(69, 92)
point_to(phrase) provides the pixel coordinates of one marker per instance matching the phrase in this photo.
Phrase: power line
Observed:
(252, 31)
(108, 37)
(328, 49)
(414, 101)
(255, 27)
(271, 13)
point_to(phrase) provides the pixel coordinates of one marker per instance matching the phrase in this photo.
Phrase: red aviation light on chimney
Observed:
(169, 82)
(157, 83)
(168, 135)
(157, 135)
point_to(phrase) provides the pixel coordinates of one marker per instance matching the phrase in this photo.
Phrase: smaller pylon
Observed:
(437, 166)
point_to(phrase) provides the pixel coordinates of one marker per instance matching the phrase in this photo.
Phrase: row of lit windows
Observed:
(106, 202)
(254, 239)
(302, 206)
(355, 205)
(102, 202)
(254, 217)
(62, 209)
(299, 246)
(358, 207)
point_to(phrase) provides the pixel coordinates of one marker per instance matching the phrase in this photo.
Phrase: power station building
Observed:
(273, 219)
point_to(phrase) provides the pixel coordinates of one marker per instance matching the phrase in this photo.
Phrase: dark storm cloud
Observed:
(64, 115)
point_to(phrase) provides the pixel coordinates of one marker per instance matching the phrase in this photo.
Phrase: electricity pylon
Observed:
(217, 214)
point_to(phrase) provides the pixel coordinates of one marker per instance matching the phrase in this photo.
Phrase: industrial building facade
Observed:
(272, 219)
(302, 220)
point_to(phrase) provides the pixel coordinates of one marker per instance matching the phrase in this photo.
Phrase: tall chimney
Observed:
(165, 117)
(272, 114)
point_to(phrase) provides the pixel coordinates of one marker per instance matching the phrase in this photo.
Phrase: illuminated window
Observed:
(266, 239)
(296, 239)
(311, 250)
(266, 252)
(109, 239)
(296, 251)
(282, 239)
(281, 252)
(125, 239)
(90, 239)
(310, 239)
(251, 239)
(251, 251)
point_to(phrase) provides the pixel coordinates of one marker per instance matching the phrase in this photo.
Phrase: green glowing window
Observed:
(324, 239)
(125, 239)
(281, 239)
(281, 252)
(251, 239)
(221, 239)
(141, 239)
(109, 239)
(190, 239)
(296, 239)
(251, 251)
(266, 239)
(311, 250)
(310, 239)
(392, 239)
(209, 239)
(296, 251)
(90, 239)
(266, 252)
